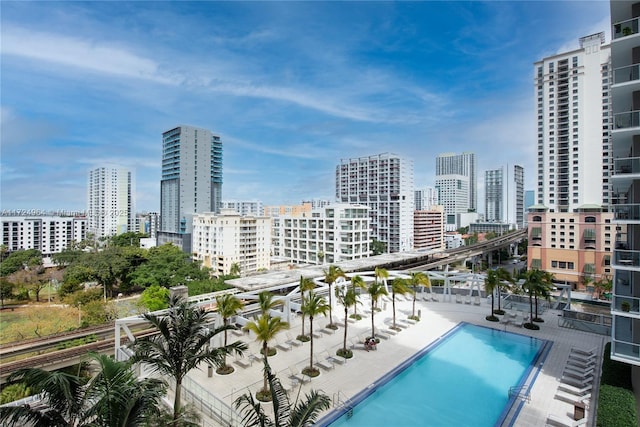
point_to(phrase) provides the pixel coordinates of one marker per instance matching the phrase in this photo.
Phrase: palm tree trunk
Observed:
(224, 356)
(302, 333)
(499, 298)
(393, 303)
(346, 313)
(372, 312)
(536, 305)
(413, 307)
(530, 308)
(311, 346)
(265, 352)
(177, 402)
(330, 308)
(492, 304)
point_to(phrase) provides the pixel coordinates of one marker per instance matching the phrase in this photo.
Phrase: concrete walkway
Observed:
(345, 381)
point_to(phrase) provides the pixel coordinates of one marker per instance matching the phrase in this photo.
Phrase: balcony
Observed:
(625, 28)
(626, 166)
(626, 74)
(628, 119)
(626, 212)
(622, 259)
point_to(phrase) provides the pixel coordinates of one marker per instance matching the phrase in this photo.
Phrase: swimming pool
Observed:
(462, 379)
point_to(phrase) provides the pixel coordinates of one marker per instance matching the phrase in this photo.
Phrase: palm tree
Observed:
(418, 279)
(398, 286)
(313, 305)
(532, 277)
(113, 397)
(357, 282)
(234, 270)
(330, 277)
(375, 290)
(505, 282)
(306, 284)
(302, 414)
(266, 328)
(227, 307)
(346, 297)
(266, 302)
(490, 285)
(182, 343)
(542, 289)
(382, 274)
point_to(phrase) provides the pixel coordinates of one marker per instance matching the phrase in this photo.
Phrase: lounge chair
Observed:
(317, 334)
(590, 352)
(434, 297)
(458, 299)
(323, 362)
(297, 375)
(581, 365)
(333, 359)
(576, 382)
(577, 391)
(292, 341)
(571, 398)
(467, 299)
(554, 420)
(247, 361)
(286, 346)
(578, 373)
(581, 358)
(380, 334)
(476, 301)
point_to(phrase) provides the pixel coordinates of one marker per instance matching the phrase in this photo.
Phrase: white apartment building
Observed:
(48, 234)
(191, 181)
(334, 233)
(384, 183)
(453, 195)
(111, 201)
(428, 225)
(625, 135)
(460, 164)
(148, 224)
(570, 230)
(425, 198)
(518, 181)
(494, 195)
(221, 240)
(244, 207)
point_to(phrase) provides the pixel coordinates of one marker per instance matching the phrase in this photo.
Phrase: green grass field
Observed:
(35, 321)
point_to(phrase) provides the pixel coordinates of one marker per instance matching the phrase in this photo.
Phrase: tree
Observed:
(306, 285)
(266, 328)
(533, 279)
(346, 297)
(267, 302)
(130, 238)
(6, 290)
(227, 306)
(505, 283)
(20, 260)
(399, 287)
(155, 298)
(542, 289)
(330, 277)
(490, 285)
(313, 305)
(181, 344)
(377, 247)
(357, 282)
(303, 414)
(113, 397)
(167, 266)
(418, 278)
(375, 290)
(235, 269)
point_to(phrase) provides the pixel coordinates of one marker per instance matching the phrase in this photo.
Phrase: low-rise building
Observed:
(48, 234)
(428, 228)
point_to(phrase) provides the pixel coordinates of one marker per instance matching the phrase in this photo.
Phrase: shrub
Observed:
(615, 373)
(14, 392)
(616, 407)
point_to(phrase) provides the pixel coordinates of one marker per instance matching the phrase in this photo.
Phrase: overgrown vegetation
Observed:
(616, 401)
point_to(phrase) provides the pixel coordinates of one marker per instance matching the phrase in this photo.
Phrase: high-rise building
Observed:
(518, 186)
(453, 195)
(426, 198)
(384, 182)
(625, 138)
(570, 231)
(460, 164)
(428, 228)
(495, 192)
(244, 207)
(191, 181)
(111, 201)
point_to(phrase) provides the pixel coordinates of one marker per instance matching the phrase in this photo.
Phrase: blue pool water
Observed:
(461, 380)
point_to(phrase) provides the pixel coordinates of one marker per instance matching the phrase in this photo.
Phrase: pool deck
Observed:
(345, 381)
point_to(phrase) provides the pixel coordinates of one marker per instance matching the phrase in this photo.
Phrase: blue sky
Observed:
(291, 87)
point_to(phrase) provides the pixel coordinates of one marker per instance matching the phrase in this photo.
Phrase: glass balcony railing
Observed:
(626, 74)
(628, 119)
(626, 258)
(625, 28)
(625, 350)
(624, 166)
(626, 304)
(626, 212)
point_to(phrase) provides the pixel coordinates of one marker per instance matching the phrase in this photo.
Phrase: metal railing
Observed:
(587, 322)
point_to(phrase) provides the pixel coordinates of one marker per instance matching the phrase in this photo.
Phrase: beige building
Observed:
(220, 241)
(574, 246)
(428, 228)
(290, 210)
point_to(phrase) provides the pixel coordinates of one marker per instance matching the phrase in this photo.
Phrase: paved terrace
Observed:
(366, 368)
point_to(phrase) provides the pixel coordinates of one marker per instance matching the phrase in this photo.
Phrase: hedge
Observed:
(616, 407)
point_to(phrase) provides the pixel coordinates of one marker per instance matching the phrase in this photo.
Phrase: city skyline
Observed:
(291, 88)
